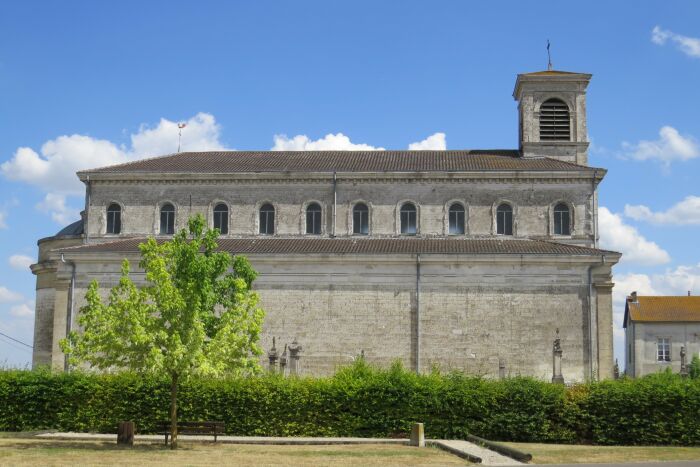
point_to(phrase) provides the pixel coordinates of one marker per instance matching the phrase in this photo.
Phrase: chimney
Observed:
(633, 297)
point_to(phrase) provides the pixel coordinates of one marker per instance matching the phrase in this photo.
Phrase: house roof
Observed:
(349, 245)
(224, 162)
(662, 309)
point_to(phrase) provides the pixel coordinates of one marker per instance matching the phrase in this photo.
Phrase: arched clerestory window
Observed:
(360, 219)
(562, 219)
(554, 121)
(313, 219)
(221, 218)
(167, 219)
(456, 219)
(114, 219)
(504, 219)
(409, 218)
(267, 219)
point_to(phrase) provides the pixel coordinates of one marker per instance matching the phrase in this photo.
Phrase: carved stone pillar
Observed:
(557, 376)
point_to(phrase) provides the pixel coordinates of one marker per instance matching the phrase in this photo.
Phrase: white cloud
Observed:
(670, 146)
(55, 205)
(3, 220)
(53, 169)
(618, 236)
(435, 142)
(686, 212)
(23, 310)
(7, 295)
(688, 45)
(335, 142)
(20, 262)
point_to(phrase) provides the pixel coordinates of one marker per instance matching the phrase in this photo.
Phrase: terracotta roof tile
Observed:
(658, 309)
(340, 161)
(303, 246)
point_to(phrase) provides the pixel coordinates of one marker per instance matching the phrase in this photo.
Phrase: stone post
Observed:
(557, 376)
(294, 351)
(417, 435)
(283, 361)
(501, 368)
(684, 363)
(616, 370)
(272, 355)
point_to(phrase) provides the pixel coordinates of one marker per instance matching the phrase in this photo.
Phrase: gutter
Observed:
(69, 310)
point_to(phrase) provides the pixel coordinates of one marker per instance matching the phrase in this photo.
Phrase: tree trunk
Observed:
(173, 411)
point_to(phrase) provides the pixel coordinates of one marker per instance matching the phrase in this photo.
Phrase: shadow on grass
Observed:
(65, 445)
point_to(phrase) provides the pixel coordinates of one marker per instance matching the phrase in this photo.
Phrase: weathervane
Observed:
(549, 58)
(180, 126)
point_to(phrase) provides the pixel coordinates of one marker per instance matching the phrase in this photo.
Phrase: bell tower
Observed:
(552, 115)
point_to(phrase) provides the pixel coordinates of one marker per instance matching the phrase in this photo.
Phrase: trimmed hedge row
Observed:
(364, 401)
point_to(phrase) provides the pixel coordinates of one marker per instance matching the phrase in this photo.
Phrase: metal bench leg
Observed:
(166, 439)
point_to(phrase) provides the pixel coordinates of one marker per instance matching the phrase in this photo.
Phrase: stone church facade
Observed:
(467, 260)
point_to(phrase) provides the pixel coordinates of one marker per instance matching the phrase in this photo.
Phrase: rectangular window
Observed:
(267, 222)
(663, 349)
(167, 222)
(221, 221)
(456, 222)
(360, 222)
(313, 222)
(408, 222)
(114, 222)
(504, 223)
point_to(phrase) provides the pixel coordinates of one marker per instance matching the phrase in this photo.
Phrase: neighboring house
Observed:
(655, 330)
(464, 259)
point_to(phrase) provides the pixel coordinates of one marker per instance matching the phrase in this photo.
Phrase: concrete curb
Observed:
(452, 450)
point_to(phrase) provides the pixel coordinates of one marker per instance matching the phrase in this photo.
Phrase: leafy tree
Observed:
(694, 367)
(196, 315)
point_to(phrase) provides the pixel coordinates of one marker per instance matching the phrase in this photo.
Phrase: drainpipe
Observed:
(69, 310)
(335, 200)
(594, 209)
(418, 313)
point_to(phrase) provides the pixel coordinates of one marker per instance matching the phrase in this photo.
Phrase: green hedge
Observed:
(364, 401)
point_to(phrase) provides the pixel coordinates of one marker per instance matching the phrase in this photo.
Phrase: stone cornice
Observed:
(542, 177)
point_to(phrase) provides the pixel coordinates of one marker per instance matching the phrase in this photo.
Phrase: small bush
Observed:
(361, 400)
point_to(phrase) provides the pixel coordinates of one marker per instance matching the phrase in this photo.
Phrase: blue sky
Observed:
(82, 83)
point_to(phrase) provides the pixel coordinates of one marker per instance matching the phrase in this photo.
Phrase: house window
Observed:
(504, 219)
(360, 219)
(554, 121)
(562, 219)
(267, 219)
(167, 219)
(408, 219)
(456, 219)
(221, 218)
(313, 219)
(114, 219)
(663, 349)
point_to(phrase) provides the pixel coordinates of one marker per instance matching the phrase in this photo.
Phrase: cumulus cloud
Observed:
(671, 146)
(434, 142)
(686, 212)
(618, 236)
(688, 45)
(21, 311)
(7, 295)
(335, 142)
(20, 262)
(53, 168)
(54, 204)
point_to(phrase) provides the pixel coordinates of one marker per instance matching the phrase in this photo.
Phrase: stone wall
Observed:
(532, 200)
(644, 349)
(473, 310)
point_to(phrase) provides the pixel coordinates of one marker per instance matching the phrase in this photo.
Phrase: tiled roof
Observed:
(306, 245)
(340, 161)
(663, 309)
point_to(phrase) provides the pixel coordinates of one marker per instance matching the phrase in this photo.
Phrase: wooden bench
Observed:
(192, 428)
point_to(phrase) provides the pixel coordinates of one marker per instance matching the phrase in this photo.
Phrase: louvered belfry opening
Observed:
(554, 121)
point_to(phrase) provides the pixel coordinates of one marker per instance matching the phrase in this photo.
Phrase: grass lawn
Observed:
(570, 454)
(24, 451)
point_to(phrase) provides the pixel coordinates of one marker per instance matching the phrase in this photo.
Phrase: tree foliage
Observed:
(196, 314)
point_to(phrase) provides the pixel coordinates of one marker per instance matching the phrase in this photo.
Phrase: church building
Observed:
(470, 260)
